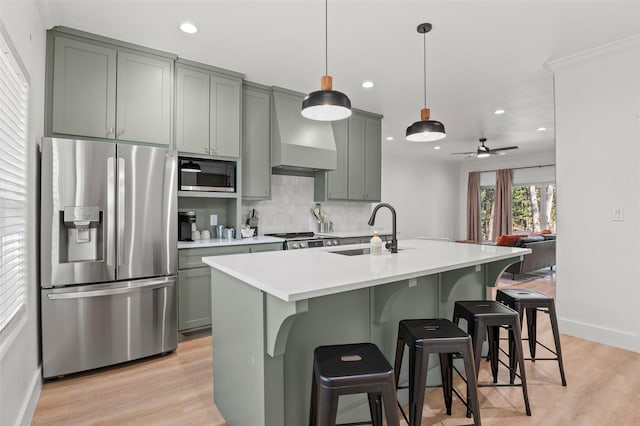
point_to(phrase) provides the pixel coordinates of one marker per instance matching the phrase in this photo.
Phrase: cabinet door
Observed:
(337, 179)
(256, 248)
(144, 98)
(373, 163)
(192, 111)
(225, 116)
(84, 89)
(194, 298)
(357, 138)
(256, 147)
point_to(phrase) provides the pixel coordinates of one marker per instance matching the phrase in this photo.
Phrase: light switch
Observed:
(618, 214)
(213, 220)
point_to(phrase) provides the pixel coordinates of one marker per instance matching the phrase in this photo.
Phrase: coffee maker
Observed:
(186, 222)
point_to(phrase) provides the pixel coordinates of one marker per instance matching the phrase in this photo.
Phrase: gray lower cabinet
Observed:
(194, 282)
(207, 110)
(106, 91)
(256, 146)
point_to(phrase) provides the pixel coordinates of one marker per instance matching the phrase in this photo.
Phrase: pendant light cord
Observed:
(424, 41)
(326, 37)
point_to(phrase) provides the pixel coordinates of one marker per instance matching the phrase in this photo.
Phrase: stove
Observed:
(302, 240)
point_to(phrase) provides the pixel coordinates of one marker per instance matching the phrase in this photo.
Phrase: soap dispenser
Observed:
(376, 243)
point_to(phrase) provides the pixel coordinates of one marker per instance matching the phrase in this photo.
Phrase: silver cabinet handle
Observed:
(121, 210)
(111, 209)
(109, 131)
(120, 132)
(205, 149)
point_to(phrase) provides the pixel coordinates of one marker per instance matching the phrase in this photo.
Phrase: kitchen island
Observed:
(270, 310)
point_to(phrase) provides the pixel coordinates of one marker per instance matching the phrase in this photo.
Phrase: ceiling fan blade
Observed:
(506, 148)
(465, 153)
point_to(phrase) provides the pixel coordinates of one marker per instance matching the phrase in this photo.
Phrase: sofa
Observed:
(543, 253)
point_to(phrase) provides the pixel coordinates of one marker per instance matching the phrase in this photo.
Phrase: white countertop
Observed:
(293, 275)
(352, 234)
(215, 242)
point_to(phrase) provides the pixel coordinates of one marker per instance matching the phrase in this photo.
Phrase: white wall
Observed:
(19, 355)
(512, 160)
(424, 193)
(598, 169)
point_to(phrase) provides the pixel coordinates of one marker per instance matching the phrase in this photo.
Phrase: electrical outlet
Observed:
(618, 214)
(213, 220)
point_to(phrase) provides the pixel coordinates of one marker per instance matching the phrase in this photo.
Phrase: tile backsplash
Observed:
(288, 208)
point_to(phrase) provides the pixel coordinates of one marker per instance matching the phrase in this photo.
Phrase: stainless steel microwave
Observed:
(198, 174)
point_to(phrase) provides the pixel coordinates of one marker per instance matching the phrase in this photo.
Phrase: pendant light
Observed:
(326, 104)
(425, 130)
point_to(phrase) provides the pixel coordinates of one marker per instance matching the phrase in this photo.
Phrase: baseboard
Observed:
(29, 405)
(607, 336)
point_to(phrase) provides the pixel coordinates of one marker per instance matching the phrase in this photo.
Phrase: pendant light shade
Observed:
(326, 104)
(425, 130)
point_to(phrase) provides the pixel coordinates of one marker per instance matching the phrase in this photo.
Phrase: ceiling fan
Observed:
(485, 151)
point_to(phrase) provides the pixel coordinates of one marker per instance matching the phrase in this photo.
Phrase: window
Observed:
(14, 91)
(533, 208)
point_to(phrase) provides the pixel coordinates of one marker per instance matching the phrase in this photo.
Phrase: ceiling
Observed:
(481, 55)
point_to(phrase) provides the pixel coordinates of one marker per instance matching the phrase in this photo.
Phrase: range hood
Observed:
(297, 143)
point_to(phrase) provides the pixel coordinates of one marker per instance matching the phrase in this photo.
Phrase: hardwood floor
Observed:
(176, 389)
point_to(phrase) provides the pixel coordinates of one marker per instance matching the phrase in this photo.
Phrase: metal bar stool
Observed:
(349, 369)
(426, 336)
(532, 302)
(485, 317)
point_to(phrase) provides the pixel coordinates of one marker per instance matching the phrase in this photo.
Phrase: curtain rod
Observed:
(518, 168)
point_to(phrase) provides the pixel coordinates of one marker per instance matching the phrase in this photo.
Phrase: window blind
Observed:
(14, 92)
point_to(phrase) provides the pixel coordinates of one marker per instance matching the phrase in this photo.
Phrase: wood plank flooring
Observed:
(603, 389)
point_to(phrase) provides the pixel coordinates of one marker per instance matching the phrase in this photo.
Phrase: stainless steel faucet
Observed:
(393, 244)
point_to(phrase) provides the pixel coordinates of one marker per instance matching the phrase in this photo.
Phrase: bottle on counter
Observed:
(376, 243)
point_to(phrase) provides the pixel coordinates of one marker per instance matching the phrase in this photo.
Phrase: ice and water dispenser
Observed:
(81, 233)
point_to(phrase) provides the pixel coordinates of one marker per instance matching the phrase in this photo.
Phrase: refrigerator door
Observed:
(147, 212)
(91, 326)
(77, 212)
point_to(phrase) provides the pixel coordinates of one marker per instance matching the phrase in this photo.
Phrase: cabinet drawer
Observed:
(192, 258)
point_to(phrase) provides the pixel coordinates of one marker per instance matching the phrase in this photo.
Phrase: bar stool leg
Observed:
(375, 408)
(418, 361)
(446, 371)
(472, 383)
(328, 409)
(513, 359)
(556, 338)
(493, 337)
(523, 378)
(532, 319)
(390, 401)
(398, 360)
(313, 407)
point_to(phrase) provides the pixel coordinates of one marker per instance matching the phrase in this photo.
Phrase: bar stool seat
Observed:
(426, 336)
(350, 369)
(530, 302)
(484, 318)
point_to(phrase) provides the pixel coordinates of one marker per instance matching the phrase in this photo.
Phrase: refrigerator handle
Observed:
(121, 210)
(120, 289)
(111, 209)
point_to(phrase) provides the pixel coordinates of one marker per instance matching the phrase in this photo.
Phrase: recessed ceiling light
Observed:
(389, 138)
(188, 28)
(499, 111)
(436, 147)
(367, 84)
(541, 129)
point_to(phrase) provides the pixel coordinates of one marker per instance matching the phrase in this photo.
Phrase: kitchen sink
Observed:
(353, 252)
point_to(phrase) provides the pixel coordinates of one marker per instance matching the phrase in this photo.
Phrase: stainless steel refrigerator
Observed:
(108, 253)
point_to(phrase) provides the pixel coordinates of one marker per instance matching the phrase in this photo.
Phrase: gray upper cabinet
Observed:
(359, 148)
(365, 150)
(337, 179)
(256, 146)
(84, 89)
(207, 110)
(100, 89)
(192, 110)
(144, 98)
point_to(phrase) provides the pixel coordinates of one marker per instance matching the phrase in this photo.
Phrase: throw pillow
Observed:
(546, 231)
(508, 240)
